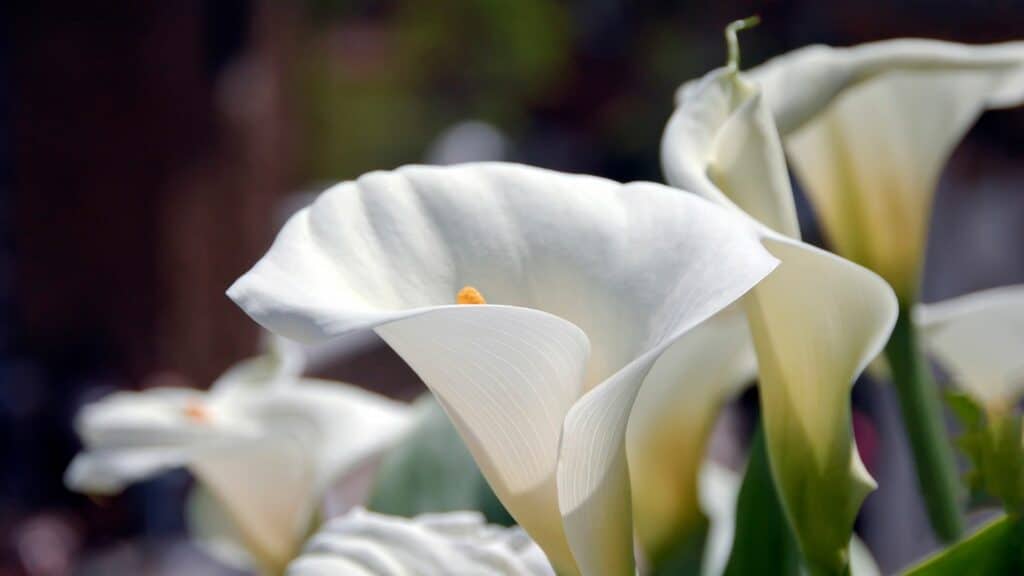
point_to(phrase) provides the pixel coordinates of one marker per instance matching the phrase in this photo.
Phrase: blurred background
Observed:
(153, 149)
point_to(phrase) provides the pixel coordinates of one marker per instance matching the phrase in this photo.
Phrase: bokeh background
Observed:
(153, 148)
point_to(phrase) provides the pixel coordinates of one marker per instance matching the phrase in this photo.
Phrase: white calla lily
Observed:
(672, 420)
(263, 444)
(363, 543)
(869, 128)
(588, 283)
(979, 339)
(815, 323)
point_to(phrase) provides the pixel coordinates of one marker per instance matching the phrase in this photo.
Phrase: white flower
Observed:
(671, 423)
(263, 443)
(815, 322)
(364, 543)
(979, 339)
(868, 130)
(588, 284)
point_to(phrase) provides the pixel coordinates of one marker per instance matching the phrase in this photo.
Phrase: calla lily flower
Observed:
(575, 289)
(815, 322)
(979, 339)
(263, 443)
(671, 424)
(363, 543)
(869, 128)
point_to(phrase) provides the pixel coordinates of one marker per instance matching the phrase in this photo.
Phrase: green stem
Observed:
(922, 416)
(732, 44)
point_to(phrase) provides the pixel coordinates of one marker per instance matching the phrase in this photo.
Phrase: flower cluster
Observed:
(582, 336)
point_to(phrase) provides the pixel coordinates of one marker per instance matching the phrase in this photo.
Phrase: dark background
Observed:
(150, 148)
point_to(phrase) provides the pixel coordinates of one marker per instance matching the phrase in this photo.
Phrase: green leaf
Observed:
(966, 410)
(992, 441)
(682, 557)
(995, 550)
(764, 542)
(433, 471)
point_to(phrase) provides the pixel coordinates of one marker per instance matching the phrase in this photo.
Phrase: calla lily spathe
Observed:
(589, 286)
(979, 339)
(869, 128)
(363, 543)
(263, 442)
(671, 424)
(815, 322)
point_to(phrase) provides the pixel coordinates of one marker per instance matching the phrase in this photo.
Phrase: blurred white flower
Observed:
(363, 543)
(468, 141)
(815, 322)
(979, 339)
(263, 442)
(869, 128)
(589, 285)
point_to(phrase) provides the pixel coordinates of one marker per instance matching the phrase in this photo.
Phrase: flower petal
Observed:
(593, 477)
(816, 323)
(672, 418)
(265, 487)
(107, 472)
(506, 377)
(213, 530)
(312, 433)
(862, 563)
(719, 489)
(363, 542)
(979, 339)
(721, 143)
(155, 417)
(869, 129)
(329, 565)
(282, 364)
(130, 436)
(605, 256)
(267, 452)
(800, 84)
(345, 425)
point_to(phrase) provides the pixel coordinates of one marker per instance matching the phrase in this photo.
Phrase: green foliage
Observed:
(377, 86)
(993, 441)
(764, 542)
(433, 471)
(684, 555)
(995, 550)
